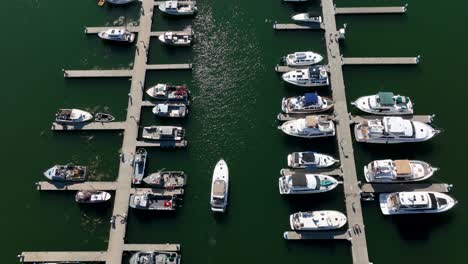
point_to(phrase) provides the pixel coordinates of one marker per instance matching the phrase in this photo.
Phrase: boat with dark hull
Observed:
(166, 179)
(69, 172)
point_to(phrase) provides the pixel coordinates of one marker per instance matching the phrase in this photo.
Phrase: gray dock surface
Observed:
(152, 247)
(405, 187)
(70, 186)
(292, 26)
(370, 10)
(419, 118)
(289, 117)
(325, 171)
(162, 144)
(97, 73)
(95, 30)
(177, 191)
(89, 126)
(380, 61)
(64, 256)
(159, 33)
(184, 66)
(316, 235)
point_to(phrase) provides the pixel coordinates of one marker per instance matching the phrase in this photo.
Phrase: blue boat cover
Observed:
(311, 98)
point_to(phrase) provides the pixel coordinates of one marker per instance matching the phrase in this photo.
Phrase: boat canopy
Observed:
(311, 121)
(299, 180)
(402, 100)
(308, 156)
(163, 108)
(311, 98)
(402, 167)
(219, 188)
(386, 98)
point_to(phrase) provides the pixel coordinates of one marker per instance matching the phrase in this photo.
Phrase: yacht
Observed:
(385, 103)
(168, 92)
(92, 196)
(178, 8)
(302, 58)
(167, 179)
(219, 187)
(72, 116)
(117, 34)
(317, 220)
(153, 201)
(300, 183)
(390, 130)
(175, 39)
(306, 104)
(119, 2)
(163, 133)
(171, 110)
(139, 165)
(310, 160)
(155, 257)
(309, 127)
(307, 18)
(69, 172)
(415, 203)
(313, 76)
(398, 171)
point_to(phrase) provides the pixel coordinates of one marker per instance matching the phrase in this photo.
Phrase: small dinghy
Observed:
(220, 187)
(310, 160)
(153, 201)
(317, 220)
(171, 110)
(307, 18)
(174, 39)
(313, 76)
(139, 165)
(306, 104)
(103, 117)
(300, 183)
(163, 133)
(415, 203)
(167, 179)
(169, 92)
(385, 103)
(398, 171)
(309, 127)
(71, 116)
(178, 8)
(117, 34)
(92, 196)
(119, 2)
(155, 257)
(302, 58)
(69, 172)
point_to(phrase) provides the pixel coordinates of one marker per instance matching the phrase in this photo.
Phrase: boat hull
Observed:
(386, 210)
(220, 173)
(362, 103)
(338, 220)
(428, 172)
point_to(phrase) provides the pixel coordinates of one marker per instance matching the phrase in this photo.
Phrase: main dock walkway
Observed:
(370, 10)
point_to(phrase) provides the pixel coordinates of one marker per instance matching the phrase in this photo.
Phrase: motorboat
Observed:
(313, 76)
(103, 117)
(309, 127)
(72, 116)
(310, 160)
(390, 130)
(317, 220)
(307, 18)
(306, 104)
(155, 257)
(175, 39)
(163, 133)
(398, 171)
(92, 196)
(171, 110)
(69, 172)
(178, 8)
(302, 58)
(153, 201)
(119, 2)
(168, 92)
(385, 103)
(220, 187)
(305, 183)
(415, 202)
(117, 34)
(139, 165)
(166, 179)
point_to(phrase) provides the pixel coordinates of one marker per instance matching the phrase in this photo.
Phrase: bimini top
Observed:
(386, 98)
(402, 167)
(311, 98)
(299, 180)
(219, 189)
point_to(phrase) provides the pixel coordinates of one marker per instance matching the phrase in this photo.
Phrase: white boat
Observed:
(385, 103)
(310, 160)
(300, 183)
(178, 8)
(119, 2)
(164, 91)
(72, 116)
(92, 196)
(175, 39)
(68, 172)
(117, 34)
(397, 171)
(313, 76)
(163, 133)
(139, 165)
(415, 203)
(390, 130)
(155, 257)
(302, 58)
(306, 104)
(309, 127)
(153, 201)
(220, 187)
(307, 18)
(317, 220)
(171, 110)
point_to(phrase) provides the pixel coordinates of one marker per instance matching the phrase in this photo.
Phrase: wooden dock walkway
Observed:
(63, 256)
(89, 126)
(152, 247)
(407, 187)
(162, 144)
(292, 26)
(70, 186)
(183, 32)
(184, 66)
(289, 117)
(124, 73)
(419, 118)
(157, 191)
(381, 61)
(326, 171)
(370, 10)
(95, 30)
(316, 235)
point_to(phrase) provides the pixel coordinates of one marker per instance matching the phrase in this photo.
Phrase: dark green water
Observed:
(236, 98)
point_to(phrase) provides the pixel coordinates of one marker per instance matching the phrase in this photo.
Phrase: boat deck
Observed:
(370, 10)
(420, 118)
(289, 117)
(405, 187)
(316, 235)
(325, 171)
(162, 144)
(89, 126)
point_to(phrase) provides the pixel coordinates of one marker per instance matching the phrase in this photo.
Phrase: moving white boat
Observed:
(307, 18)
(415, 203)
(175, 39)
(219, 187)
(306, 104)
(317, 220)
(302, 58)
(139, 165)
(178, 8)
(396, 171)
(92, 196)
(155, 257)
(310, 160)
(163, 133)
(166, 179)
(171, 110)
(309, 127)
(153, 201)
(72, 116)
(162, 91)
(385, 103)
(313, 76)
(117, 34)
(69, 172)
(389, 130)
(300, 183)
(119, 2)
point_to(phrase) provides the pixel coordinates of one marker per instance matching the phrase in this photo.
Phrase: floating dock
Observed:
(124, 73)
(63, 256)
(381, 61)
(289, 117)
(292, 26)
(326, 171)
(70, 186)
(419, 118)
(185, 66)
(162, 144)
(370, 10)
(152, 247)
(95, 30)
(89, 126)
(405, 187)
(159, 33)
(316, 235)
